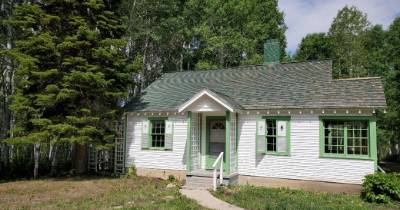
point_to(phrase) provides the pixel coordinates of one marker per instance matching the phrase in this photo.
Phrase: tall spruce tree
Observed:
(71, 75)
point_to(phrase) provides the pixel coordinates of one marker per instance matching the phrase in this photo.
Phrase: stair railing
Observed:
(220, 161)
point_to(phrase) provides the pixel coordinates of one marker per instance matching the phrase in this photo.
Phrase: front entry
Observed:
(215, 139)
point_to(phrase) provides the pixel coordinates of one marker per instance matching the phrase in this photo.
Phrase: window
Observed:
(157, 133)
(334, 137)
(345, 138)
(357, 134)
(273, 135)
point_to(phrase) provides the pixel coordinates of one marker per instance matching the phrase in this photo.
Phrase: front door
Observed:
(215, 142)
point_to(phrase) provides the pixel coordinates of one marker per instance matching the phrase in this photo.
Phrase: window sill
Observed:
(157, 149)
(355, 157)
(277, 153)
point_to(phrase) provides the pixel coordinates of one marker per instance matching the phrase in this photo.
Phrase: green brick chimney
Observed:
(272, 51)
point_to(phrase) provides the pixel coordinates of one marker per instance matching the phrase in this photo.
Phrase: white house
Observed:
(286, 121)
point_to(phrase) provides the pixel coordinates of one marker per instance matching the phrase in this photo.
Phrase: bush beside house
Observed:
(381, 187)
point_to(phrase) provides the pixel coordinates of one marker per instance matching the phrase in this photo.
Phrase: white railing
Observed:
(219, 160)
(381, 170)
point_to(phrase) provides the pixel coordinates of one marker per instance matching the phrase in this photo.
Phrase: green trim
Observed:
(373, 142)
(321, 137)
(209, 159)
(189, 142)
(237, 141)
(276, 117)
(372, 154)
(288, 128)
(258, 119)
(228, 142)
(149, 138)
(347, 117)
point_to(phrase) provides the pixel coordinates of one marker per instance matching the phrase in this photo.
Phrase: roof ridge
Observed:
(246, 66)
(357, 78)
(309, 61)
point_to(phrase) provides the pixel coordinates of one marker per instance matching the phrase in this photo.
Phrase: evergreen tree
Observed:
(71, 75)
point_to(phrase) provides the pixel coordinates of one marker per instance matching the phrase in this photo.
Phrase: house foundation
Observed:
(161, 173)
(313, 186)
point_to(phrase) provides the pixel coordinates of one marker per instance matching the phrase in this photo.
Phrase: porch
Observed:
(212, 131)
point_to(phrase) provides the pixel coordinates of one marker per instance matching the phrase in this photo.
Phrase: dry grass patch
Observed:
(93, 193)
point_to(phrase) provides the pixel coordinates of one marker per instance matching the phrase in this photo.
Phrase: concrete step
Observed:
(195, 182)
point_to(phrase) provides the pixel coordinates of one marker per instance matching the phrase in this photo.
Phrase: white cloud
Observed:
(310, 16)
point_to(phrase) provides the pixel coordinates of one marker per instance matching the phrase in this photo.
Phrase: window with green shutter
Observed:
(157, 134)
(273, 135)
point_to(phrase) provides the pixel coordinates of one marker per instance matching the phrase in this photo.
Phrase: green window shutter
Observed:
(260, 136)
(282, 136)
(169, 134)
(145, 133)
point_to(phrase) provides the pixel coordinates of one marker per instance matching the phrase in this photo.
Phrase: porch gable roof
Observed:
(222, 100)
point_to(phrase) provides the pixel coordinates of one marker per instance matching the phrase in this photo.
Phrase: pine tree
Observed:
(71, 75)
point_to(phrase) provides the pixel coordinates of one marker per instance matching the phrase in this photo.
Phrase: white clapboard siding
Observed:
(303, 162)
(173, 160)
(233, 160)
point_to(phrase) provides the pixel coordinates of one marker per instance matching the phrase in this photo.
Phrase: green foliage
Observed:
(315, 46)
(71, 71)
(391, 120)
(360, 50)
(167, 36)
(58, 76)
(21, 162)
(231, 33)
(381, 187)
(251, 197)
(349, 52)
(132, 171)
(171, 178)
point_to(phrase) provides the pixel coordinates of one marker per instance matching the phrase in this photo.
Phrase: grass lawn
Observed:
(251, 197)
(93, 193)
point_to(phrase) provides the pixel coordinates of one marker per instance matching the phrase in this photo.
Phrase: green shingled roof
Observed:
(291, 85)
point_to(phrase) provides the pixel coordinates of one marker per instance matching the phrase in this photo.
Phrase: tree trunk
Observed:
(80, 158)
(36, 154)
(54, 151)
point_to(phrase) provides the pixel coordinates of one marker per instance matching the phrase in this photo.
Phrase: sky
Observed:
(310, 16)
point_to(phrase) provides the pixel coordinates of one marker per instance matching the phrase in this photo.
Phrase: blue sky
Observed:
(310, 16)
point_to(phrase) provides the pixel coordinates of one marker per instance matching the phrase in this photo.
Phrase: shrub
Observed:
(132, 171)
(171, 178)
(381, 187)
